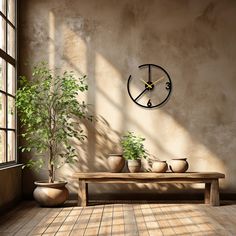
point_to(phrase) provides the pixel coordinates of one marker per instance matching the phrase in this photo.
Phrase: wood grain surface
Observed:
(121, 219)
(147, 175)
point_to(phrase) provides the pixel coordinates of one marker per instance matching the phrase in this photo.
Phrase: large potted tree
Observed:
(49, 110)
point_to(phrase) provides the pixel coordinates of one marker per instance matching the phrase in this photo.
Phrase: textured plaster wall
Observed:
(193, 40)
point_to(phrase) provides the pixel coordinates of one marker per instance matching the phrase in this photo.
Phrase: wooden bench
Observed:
(211, 180)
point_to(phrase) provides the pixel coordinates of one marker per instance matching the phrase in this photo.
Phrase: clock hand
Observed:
(149, 73)
(141, 94)
(158, 80)
(149, 86)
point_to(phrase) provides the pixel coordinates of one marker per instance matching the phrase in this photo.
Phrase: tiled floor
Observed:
(127, 218)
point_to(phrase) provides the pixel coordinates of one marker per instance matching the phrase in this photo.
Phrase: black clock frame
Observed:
(169, 86)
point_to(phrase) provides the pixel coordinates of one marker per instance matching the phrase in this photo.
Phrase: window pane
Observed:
(10, 41)
(11, 145)
(11, 10)
(2, 146)
(2, 110)
(10, 112)
(2, 33)
(10, 79)
(3, 6)
(2, 74)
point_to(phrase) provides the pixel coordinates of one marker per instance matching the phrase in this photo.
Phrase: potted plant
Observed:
(49, 111)
(133, 150)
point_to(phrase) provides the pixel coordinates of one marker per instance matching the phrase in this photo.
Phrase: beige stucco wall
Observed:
(193, 40)
(10, 186)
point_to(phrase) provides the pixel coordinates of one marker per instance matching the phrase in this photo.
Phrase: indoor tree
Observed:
(50, 112)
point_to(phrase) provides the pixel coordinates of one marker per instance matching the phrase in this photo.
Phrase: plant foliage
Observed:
(133, 147)
(49, 110)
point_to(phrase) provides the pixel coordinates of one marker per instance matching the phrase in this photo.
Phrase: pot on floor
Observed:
(50, 194)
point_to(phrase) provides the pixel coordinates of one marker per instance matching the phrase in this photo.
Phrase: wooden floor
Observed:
(126, 218)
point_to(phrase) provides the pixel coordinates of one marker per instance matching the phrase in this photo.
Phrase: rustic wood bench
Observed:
(211, 180)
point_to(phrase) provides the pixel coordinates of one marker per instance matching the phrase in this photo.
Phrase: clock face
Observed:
(150, 87)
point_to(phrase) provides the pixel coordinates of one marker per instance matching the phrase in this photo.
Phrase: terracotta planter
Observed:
(179, 165)
(116, 162)
(50, 194)
(159, 166)
(134, 165)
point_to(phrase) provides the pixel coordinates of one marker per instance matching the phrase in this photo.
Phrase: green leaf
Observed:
(133, 147)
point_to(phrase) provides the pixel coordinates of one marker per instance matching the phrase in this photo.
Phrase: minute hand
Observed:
(158, 80)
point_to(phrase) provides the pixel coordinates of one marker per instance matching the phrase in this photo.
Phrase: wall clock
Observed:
(150, 87)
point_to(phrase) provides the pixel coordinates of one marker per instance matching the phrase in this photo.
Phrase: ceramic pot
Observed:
(134, 165)
(159, 166)
(116, 162)
(179, 165)
(50, 194)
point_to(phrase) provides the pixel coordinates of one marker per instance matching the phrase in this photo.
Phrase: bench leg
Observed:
(83, 193)
(207, 193)
(214, 193)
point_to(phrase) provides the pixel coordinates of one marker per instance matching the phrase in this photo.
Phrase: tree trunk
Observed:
(50, 167)
(50, 173)
(50, 163)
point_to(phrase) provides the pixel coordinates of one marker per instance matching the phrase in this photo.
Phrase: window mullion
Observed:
(6, 28)
(16, 76)
(10, 129)
(7, 21)
(6, 111)
(6, 89)
(7, 57)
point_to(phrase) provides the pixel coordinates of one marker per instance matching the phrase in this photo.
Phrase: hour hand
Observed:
(148, 85)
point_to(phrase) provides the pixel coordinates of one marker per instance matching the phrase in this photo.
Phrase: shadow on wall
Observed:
(107, 141)
(106, 43)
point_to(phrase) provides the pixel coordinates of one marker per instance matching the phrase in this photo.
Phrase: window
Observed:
(7, 81)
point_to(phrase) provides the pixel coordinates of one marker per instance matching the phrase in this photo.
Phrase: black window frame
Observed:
(4, 55)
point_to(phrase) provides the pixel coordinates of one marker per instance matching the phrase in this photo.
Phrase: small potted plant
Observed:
(133, 151)
(49, 112)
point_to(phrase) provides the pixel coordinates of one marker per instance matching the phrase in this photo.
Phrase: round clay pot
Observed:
(116, 162)
(179, 165)
(134, 165)
(159, 166)
(50, 194)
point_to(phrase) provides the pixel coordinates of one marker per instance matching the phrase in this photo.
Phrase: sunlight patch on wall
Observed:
(110, 89)
(51, 43)
(74, 51)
